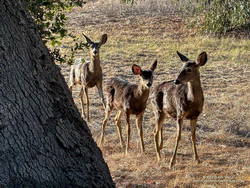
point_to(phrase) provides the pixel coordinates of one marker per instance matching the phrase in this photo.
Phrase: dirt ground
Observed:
(223, 138)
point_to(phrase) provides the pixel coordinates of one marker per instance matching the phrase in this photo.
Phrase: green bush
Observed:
(226, 15)
(50, 17)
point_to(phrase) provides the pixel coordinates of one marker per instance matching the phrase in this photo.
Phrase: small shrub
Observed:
(50, 18)
(226, 15)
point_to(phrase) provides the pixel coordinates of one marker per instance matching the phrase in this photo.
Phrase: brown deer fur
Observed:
(89, 74)
(180, 99)
(128, 98)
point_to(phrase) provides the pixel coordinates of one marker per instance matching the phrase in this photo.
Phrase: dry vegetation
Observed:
(223, 128)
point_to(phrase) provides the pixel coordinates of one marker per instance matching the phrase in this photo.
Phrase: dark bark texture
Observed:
(43, 140)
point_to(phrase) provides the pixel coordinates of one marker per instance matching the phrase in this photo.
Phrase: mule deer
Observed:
(180, 99)
(88, 74)
(130, 99)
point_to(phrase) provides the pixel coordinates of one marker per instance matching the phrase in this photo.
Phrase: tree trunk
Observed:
(43, 140)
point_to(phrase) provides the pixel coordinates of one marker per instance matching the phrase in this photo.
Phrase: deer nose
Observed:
(177, 82)
(95, 51)
(149, 84)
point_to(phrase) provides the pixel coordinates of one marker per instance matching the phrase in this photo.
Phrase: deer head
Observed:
(95, 46)
(146, 76)
(190, 69)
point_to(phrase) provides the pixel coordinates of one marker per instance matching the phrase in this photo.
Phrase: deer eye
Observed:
(189, 70)
(146, 75)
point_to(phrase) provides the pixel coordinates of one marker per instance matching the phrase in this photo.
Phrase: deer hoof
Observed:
(122, 146)
(126, 152)
(197, 161)
(158, 158)
(171, 164)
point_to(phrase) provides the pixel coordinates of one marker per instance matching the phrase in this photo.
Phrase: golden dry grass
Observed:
(223, 127)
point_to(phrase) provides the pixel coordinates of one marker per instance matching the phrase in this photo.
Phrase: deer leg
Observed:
(87, 98)
(193, 139)
(104, 123)
(140, 131)
(100, 91)
(178, 138)
(161, 138)
(128, 132)
(158, 135)
(118, 126)
(82, 103)
(71, 78)
(70, 88)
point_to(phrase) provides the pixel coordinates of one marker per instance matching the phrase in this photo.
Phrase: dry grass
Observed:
(223, 128)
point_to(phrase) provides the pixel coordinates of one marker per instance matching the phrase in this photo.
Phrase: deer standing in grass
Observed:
(180, 99)
(129, 99)
(88, 74)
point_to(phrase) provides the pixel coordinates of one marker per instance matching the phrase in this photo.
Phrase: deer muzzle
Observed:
(149, 84)
(177, 82)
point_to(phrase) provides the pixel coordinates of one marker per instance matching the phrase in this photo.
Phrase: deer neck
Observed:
(142, 91)
(194, 92)
(95, 64)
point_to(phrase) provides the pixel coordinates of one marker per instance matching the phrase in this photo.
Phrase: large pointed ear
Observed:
(89, 41)
(202, 59)
(136, 69)
(182, 57)
(103, 39)
(154, 65)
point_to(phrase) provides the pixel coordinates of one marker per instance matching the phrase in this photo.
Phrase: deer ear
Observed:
(202, 59)
(182, 57)
(87, 39)
(136, 69)
(103, 39)
(154, 65)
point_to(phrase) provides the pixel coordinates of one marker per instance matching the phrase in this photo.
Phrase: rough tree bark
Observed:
(43, 140)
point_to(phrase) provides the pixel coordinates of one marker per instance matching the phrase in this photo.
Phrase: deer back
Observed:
(174, 100)
(126, 96)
